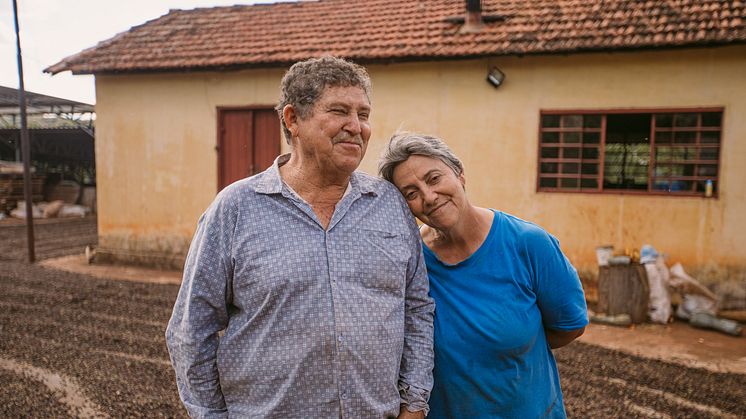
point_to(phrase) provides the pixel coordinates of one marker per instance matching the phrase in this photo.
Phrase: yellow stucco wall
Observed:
(157, 169)
(155, 155)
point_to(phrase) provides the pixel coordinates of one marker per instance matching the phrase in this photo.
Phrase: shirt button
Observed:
(344, 395)
(340, 338)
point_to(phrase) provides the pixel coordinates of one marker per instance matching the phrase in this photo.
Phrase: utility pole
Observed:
(25, 146)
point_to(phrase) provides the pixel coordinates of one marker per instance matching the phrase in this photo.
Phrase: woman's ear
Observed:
(291, 119)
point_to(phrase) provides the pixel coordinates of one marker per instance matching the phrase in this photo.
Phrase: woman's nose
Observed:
(429, 195)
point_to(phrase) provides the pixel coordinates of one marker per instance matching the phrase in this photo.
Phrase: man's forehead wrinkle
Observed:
(335, 103)
(329, 89)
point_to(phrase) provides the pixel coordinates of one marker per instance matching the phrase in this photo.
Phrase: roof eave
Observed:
(83, 69)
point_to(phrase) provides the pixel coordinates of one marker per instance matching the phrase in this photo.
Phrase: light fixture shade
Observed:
(495, 77)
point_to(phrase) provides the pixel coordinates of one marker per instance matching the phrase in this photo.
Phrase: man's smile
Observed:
(348, 139)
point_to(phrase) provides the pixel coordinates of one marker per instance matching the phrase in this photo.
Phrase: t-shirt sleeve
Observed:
(559, 293)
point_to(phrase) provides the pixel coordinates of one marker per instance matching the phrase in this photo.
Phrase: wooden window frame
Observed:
(599, 189)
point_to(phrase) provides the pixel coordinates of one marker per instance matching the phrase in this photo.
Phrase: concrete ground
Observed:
(676, 342)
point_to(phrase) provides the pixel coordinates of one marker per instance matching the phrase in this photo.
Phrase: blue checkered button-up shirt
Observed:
(315, 323)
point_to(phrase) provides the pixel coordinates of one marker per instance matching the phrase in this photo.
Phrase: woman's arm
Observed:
(560, 338)
(559, 293)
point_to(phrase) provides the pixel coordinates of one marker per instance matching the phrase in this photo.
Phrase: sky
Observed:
(54, 29)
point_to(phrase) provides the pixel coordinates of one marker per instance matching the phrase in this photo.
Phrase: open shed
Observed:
(61, 134)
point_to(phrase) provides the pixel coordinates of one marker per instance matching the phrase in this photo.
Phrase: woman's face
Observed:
(434, 193)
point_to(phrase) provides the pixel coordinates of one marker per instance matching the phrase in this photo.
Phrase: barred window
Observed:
(662, 152)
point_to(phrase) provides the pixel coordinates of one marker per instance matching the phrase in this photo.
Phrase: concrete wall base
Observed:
(158, 260)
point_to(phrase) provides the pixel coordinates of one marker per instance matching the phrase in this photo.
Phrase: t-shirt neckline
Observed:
(472, 256)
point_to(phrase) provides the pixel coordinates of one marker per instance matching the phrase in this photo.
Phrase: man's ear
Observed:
(291, 119)
(462, 179)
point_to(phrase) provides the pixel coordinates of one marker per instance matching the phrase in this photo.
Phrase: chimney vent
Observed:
(474, 6)
(473, 21)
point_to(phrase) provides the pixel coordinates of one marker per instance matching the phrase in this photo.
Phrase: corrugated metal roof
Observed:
(39, 103)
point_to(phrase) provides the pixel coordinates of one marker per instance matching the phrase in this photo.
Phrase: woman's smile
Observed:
(437, 208)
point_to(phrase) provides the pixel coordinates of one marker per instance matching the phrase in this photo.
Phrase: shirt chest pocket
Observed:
(382, 262)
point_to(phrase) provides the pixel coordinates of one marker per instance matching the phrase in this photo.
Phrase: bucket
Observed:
(603, 253)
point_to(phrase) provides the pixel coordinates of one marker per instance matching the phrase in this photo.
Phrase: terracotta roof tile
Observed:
(405, 30)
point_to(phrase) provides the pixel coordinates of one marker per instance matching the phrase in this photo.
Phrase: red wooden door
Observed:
(248, 142)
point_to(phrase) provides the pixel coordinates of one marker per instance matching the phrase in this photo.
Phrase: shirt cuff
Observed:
(197, 412)
(415, 399)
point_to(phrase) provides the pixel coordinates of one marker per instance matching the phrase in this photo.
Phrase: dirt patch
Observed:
(79, 264)
(54, 237)
(66, 388)
(604, 383)
(107, 336)
(23, 397)
(677, 342)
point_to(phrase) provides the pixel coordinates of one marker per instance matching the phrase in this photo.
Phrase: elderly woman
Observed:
(505, 294)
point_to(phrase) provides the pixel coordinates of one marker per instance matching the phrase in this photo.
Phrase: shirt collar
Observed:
(363, 183)
(271, 182)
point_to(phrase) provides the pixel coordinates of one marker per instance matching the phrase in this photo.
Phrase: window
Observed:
(673, 152)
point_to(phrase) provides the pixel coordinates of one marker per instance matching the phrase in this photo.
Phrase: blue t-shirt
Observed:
(492, 359)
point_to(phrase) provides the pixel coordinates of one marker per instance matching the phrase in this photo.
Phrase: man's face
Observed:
(335, 135)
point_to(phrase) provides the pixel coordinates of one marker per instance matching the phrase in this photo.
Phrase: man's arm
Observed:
(416, 371)
(200, 312)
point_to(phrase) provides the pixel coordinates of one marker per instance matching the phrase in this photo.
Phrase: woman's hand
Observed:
(406, 414)
(560, 338)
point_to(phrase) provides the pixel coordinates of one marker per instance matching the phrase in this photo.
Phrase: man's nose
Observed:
(353, 124)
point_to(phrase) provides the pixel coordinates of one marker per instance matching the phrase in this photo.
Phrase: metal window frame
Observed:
(699, 129)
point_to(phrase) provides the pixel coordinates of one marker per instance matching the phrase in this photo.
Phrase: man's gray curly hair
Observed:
(305, 81)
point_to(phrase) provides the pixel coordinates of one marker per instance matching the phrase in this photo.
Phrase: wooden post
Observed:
(25, 146)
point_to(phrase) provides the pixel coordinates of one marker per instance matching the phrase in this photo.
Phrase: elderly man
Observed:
(312, 273)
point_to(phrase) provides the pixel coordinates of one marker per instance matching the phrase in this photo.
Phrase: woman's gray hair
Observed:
(402, 145)
(305, 81)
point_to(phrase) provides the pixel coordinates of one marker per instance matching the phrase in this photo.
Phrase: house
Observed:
(607, 122)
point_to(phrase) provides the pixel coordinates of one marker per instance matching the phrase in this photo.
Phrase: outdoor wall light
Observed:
(495, 77)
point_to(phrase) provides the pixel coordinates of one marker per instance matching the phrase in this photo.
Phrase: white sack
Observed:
(697, 298)
(20, 211)
(693, 304)
(73, 211)
(659, 307)
(686, 284)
